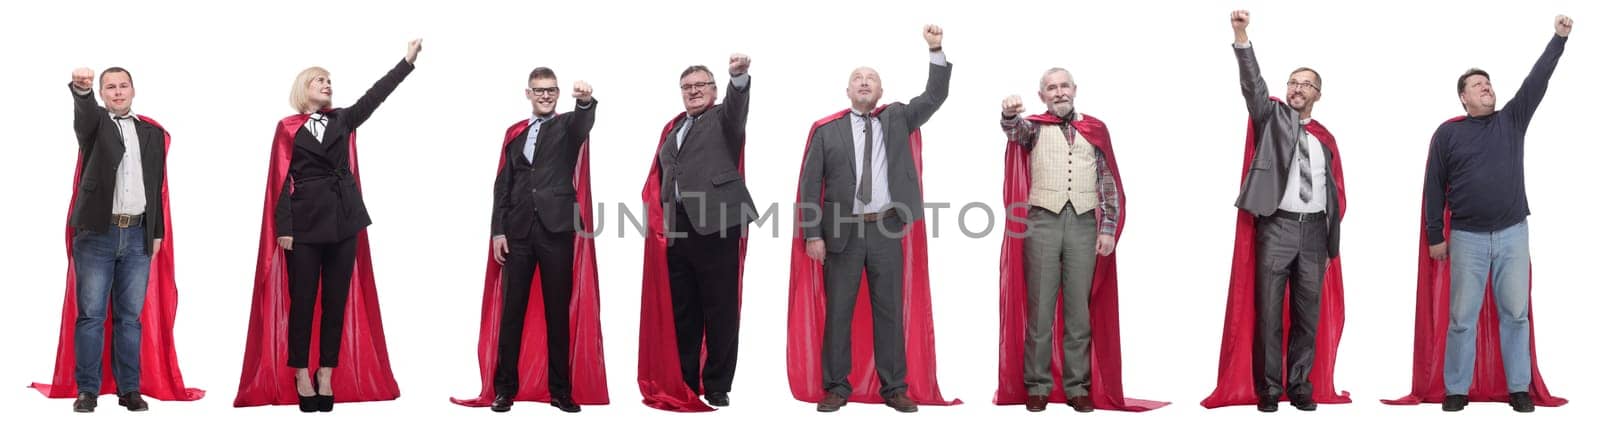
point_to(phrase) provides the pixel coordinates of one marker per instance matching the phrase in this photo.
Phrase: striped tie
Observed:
(1303, 160)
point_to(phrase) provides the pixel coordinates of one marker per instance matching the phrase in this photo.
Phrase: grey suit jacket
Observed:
(1277, 130)
(830, 164)
(706, 167)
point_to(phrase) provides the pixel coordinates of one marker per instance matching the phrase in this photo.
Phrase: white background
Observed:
(1160, 74)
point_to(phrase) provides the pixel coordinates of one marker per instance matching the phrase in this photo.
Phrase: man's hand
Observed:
(816, 250)
(583, 92)
(738, 64)
(1105, 245)
(412, 49)
(286, 242)
(1563, 25)
(83, 79)
(1011, 106)
(1439, 251)
(501, 249)
(157, 248)
(934, 35)
(1240, 20)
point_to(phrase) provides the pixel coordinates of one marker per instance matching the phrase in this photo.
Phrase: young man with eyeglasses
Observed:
(696, 246)
(1291, 201)
(534, 226)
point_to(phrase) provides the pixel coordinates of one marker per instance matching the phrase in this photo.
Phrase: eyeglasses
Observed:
(1306, 84)
(544, 90)
(697, 86)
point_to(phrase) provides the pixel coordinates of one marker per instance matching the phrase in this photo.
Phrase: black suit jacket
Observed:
(831, 160)
(1277, 130)
(100, 151)
(544, 186)
(320, 201)
(706, 168)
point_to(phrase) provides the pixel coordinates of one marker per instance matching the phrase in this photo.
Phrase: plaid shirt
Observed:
(1026, 133)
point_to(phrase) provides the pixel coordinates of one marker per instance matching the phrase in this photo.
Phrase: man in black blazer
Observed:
(863, 160)
(118, 227)
(535, 220)
(706, 208)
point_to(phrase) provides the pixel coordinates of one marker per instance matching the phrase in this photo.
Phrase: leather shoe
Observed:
(832, 402)
(1081, 404)
(1265, 404)
(565, 404)
(718, 399)
(1455, 402)
(133, 402)
(1037, 403)
(1305, 404)
(85, 403)
(901, 403)
(1521, 402)
(502, 403)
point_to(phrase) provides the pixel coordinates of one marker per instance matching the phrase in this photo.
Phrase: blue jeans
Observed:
(1502, 257)
(112, 268)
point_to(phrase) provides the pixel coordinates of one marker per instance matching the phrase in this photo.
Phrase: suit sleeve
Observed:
(922, 107)
(284, 215)
(735, 112)
(1256, 99)
(502, 192)
(358, 113)
(811, 187)
(581, 120)
(86, 115)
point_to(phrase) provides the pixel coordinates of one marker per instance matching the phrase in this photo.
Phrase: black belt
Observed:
(874, 217)
(1300, 217)
(125, 221)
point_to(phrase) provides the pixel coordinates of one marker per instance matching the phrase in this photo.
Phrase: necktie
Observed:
(318, 124)
(1303, 160)
(864, 183)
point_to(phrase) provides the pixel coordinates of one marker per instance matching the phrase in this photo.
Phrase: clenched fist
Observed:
(934, 35)
(83, 78)
(1563, 25)
(582, 92)
(1011, 106)
(738, 64)
(412, 49)
(1240, 19)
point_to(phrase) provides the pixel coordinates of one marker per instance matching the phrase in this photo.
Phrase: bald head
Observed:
(1057, 90)
(864, 89)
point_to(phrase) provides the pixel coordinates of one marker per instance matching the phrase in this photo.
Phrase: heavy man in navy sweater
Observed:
(1475, 173)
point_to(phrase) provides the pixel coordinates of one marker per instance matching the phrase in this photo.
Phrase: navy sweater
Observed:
(1475, 164)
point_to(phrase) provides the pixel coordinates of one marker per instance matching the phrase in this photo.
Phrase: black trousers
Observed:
(704, 272)
(550, 253)
(1293, 253)
(311, 264)
(876, 249)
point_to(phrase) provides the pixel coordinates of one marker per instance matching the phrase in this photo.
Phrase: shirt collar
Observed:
(542, 119)
(130, 115)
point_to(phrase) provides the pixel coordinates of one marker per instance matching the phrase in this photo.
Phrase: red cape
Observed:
(266, 379)
(1105, 382)
(1433, 322)
(1235, 382)
(586, 352)
(660, 377)
(807, 313)
(159, 376)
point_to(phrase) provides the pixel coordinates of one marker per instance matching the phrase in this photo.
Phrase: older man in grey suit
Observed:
(863, 161)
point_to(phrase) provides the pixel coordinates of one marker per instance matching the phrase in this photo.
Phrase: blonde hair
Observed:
(299, 94)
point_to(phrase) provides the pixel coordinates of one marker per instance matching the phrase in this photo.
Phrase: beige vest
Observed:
(1063, 172)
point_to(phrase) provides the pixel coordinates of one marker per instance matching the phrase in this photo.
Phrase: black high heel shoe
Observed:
(324, 403)
(307, 403)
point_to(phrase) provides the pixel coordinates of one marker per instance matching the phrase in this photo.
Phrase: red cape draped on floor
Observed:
(807, 313)
(586, 350)
(159, 376)
(1105, 382)
(266, 378)
(1235, 380)
(1433, 322)
(660, 377)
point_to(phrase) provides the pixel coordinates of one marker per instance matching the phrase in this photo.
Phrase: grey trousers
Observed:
(1292, 256)
(877, 249)
(1059, 248)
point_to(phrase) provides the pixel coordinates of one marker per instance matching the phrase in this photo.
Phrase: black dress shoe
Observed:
(1265, 404)
(1521, 402)
(1037, 403)
(502, 403)
(85, 403)
(133, 402)
(832, 402)
(1305, 404)
(1455, 402)
(565, 404)
(717, 399)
